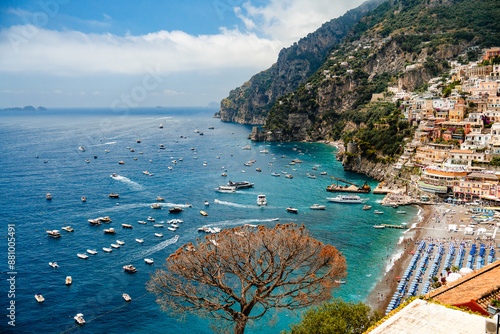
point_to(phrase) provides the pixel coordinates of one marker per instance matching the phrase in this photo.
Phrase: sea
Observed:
(40, 154)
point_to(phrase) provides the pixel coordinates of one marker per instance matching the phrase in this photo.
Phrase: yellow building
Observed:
(478, 185)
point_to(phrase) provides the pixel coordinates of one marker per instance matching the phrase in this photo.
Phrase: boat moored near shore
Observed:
(350, 199)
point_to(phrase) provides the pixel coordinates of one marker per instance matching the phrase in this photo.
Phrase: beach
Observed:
(432, 226)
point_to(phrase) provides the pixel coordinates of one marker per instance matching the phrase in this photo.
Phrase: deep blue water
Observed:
(98, 282)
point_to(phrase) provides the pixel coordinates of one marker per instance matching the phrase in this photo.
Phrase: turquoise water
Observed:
(99, 281)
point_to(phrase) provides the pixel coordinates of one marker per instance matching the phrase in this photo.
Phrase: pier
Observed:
(393, 226)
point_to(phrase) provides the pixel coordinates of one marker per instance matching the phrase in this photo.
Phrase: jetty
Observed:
(396, 199)
(350, 188)
(393, 226)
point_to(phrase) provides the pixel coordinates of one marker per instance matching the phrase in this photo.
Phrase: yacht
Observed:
(317, 207)
(367, 207)
(139, 240)
(68, 280)
(53, 264)
(352, 199)
(109, 231)
(79, 318)
(292, 210)
(92, 251)
(115, 246)
(226, 189)
(240, 184)
(107, 249)
(82, 256)
(159, 235)
(261, 200)
(150, 219)
(126, 297)
(54, 234)
(119, 242)
(127, 226)
(175, 210)
(149, 261)
(67, 228)
(156, 206)
(39, 298)
(129, 268)
(378, 226)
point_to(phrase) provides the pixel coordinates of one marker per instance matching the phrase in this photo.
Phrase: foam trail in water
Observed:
(108, 143)
(154, 249)
(132, 184)
(246, 206)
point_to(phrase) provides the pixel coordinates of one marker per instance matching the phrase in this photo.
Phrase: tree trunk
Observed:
(239, 327)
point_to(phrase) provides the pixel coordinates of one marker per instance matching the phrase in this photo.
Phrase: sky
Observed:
(94, 53)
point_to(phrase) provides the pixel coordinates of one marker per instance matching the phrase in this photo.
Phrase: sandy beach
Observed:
(432, 225)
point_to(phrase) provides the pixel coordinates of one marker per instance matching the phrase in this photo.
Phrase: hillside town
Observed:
(456, 143)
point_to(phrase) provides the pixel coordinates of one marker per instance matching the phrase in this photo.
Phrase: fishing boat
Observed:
(54, 234)
(67, 228)
(53, 264)
(112, 195)
(126, 297)
(68, 280)
(48, 197)
(84, 199)
(130, 268)
(226, 189)
(240, 184)
(156, 206)
(107, 249)
(139, 240)
(261, 200)
(109, 231)
(92, 251)
(39, 298)
(149, 261)
(79, 319)
(159, 235)
(367, 207)
(378, 212)
(317, 207)
(349, 199)
(175, 210)
(203, 213)
(127, 226)
(292, 210)
(82, 256)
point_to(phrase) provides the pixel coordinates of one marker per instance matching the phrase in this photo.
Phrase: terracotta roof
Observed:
(480, 285)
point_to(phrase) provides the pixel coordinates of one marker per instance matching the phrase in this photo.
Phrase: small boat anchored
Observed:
(292, 210)
(261, 200)
(68, 280)
(126, 297)
(39, 298)
(149, 261)
(130, 268)
(367, 207)
(175, 210)
(79, 319)
(53, 264)
(317, 207)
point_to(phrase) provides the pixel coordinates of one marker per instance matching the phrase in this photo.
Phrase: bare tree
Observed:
(245, 269)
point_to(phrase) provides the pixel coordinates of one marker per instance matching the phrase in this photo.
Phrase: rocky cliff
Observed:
(361, 165)
(250, 103)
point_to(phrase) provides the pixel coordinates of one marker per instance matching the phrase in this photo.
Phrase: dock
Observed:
(393, 226)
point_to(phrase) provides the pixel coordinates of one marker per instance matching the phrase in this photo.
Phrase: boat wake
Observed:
(152, 250)
(108, 143)
(179, 205)
(132, 184)
(245, 206)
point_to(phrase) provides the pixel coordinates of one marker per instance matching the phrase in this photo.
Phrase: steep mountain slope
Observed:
(423, 33)
(250, 103)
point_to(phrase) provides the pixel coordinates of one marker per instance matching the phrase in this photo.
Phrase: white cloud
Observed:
(290, 20)
(36, 50)
(169, 92)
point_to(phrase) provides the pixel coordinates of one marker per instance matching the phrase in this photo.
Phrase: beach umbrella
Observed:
(453, 277)
(465, 271)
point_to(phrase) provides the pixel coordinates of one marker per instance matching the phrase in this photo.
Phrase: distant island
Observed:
(27, 108)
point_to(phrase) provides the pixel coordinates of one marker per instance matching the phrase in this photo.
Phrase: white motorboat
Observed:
(378, 226)
(110, 231)
(81, 148)
(129, 268)
(378, 212)
(207, 203)
(173, 229)
(127, 226)
(401, 212)
(92, 251)
(350, 199)
(142, 222)
(54, 234)
(53, 264)
(150, 219)
(149, 261)
(317, 207)
(311, 176)
(240, 184)
(119, 242)
(107, 250)
(367, 207)
(159, 235)
(156, 206)
(160, 199)
(158, 225)
(264, 151)
(275, 174)
(39, 298)
(67, 228)
(261, 200)
(126, 297)
(79, 318)
(84, 199)
(275, 219)
(68, 280)
(139, 240)
(115, 246)
(292, 210)
(226, 189)
(82, 256)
